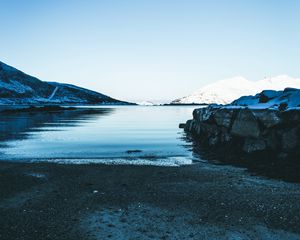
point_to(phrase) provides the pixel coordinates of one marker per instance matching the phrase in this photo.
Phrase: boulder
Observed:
(225, 136)
(224, 116)
(268, 131)
(245, 124)
(291, 116)
(213, 139)
(204, 114)
(272, 140)
(193, 127)
(252, 145)
(268, 118)
(290, 139)
(188, 125)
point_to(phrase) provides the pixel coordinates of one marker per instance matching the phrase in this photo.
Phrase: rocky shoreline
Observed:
(267, 135)
(248, 130)
(268, 122)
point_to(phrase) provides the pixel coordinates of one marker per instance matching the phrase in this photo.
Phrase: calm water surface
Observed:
(113, 135)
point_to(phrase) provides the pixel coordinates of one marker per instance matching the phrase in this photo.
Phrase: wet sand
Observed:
(200, 201)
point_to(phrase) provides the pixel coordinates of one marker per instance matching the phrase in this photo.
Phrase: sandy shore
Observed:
(200, 201)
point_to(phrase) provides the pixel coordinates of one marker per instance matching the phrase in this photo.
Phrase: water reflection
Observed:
(261, 164)
(118, 135)
(16, 125)
(135, 135)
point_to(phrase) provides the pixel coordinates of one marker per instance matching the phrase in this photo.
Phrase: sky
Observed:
(156, 50)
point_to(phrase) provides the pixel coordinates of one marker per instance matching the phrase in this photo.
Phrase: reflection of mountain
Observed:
(17, 125)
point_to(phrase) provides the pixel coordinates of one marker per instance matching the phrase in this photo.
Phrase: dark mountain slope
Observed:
(17, 87)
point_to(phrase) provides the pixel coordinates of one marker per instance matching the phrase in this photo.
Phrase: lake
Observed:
(110, 135)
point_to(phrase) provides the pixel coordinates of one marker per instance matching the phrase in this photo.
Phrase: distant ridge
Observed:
(17, 87)
(226, 91)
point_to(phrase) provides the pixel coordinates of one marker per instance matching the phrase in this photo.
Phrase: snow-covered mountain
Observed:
(146, 103)
(17, 87)
(226, 91)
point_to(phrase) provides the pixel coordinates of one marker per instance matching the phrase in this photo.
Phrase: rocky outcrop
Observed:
(248, 131)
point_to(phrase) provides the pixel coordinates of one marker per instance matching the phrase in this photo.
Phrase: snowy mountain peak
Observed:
(146, 103)
(227, 90)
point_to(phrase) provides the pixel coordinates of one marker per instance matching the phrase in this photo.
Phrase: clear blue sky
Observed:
(154, 49)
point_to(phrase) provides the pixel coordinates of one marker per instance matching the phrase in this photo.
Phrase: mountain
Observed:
(226, 91)
(17, 87)
(146, 103)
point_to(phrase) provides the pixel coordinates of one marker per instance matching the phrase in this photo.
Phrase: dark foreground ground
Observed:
(201, 201)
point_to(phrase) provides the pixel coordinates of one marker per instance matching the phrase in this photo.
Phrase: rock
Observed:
(245, 131)
(213, 140)
(209, 129)
(188, 125)
(283, 106)
(197, 128)
(268, 118)
(225, 136)
(245, 124)
(193, 127)
(272, 140)
(224, 116)
(290, 139)
(270, 99)
(204, 114)
(181, 125)
(291, 117)
(212, 133)
(289, 89)
(263, 98)
(252, 145)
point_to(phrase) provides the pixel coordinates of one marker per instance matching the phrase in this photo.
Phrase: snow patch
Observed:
(15, 86)
(288, 99)
(146, 103)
